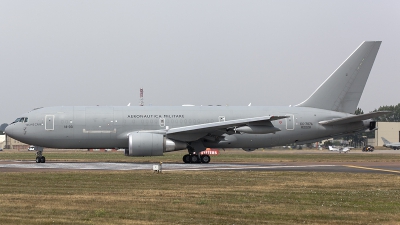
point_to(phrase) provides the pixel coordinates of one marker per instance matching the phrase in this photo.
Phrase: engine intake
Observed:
(150, 144)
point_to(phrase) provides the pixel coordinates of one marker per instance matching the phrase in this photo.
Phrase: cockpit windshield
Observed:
(22, 120)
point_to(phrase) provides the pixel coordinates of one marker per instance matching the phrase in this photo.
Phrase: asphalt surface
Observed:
(370, 167)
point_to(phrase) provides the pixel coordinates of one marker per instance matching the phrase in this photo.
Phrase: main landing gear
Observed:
(193, 158)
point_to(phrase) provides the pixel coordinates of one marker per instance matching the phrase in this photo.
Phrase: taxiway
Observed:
(370, 167)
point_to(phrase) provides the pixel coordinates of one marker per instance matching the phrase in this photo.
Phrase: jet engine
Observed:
(150, 144)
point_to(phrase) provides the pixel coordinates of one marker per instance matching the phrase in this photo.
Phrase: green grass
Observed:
(211, 197)
(201, 197)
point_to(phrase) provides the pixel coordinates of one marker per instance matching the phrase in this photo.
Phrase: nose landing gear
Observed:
(39, 157)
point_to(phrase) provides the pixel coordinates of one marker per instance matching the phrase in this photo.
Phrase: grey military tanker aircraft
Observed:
(151, 131)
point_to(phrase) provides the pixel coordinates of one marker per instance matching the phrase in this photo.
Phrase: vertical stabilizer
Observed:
(342, 90)
(386, 142)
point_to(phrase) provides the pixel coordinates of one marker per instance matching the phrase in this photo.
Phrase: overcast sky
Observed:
(189, 52)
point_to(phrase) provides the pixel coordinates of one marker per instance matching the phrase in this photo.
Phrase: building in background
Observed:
(388, 130)
(2, 141)
(7, 142)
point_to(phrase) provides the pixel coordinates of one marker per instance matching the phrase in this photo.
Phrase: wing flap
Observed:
(354, 118)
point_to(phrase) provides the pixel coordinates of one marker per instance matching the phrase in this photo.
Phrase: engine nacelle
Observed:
(257, 129)
(149, 144)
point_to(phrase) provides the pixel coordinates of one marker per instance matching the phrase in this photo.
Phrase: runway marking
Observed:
(248, 167)
(148, 166)
(369, 168)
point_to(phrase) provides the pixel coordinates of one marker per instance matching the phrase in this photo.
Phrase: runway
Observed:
(31, 166)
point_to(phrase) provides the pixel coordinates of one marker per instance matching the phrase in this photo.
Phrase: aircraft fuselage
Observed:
(108, 126)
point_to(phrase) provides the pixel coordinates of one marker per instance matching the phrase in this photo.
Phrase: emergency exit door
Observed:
(290, 122)
(49, 122)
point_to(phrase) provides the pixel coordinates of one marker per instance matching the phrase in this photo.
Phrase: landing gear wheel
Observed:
(43, 159)
(194, 159)
(205, 158)
(38, 160)
(186, 158)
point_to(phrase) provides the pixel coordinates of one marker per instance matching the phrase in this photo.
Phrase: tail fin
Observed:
(342, 90)
(331, 148)
(386, 142)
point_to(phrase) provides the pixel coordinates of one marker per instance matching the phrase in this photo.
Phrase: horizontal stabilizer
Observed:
(354, 118)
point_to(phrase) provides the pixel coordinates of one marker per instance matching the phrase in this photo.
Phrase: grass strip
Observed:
(201, 197)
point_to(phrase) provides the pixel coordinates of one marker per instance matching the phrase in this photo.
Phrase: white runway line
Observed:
(250, 167)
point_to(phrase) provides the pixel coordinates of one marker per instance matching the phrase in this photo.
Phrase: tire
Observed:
(186, 158)
(194, 159)
(43, 159)
(205, 158)
(38, 160)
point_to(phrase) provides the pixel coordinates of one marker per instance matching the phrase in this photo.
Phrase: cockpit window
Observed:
(16, 120)
(22, 120)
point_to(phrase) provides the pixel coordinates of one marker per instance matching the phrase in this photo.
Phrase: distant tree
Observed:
(390, 117)
(359, 111)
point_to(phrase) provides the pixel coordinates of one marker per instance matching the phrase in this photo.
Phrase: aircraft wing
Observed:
(354, 118)
(194, 132)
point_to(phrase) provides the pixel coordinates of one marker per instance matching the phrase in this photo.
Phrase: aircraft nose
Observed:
(9, 131)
